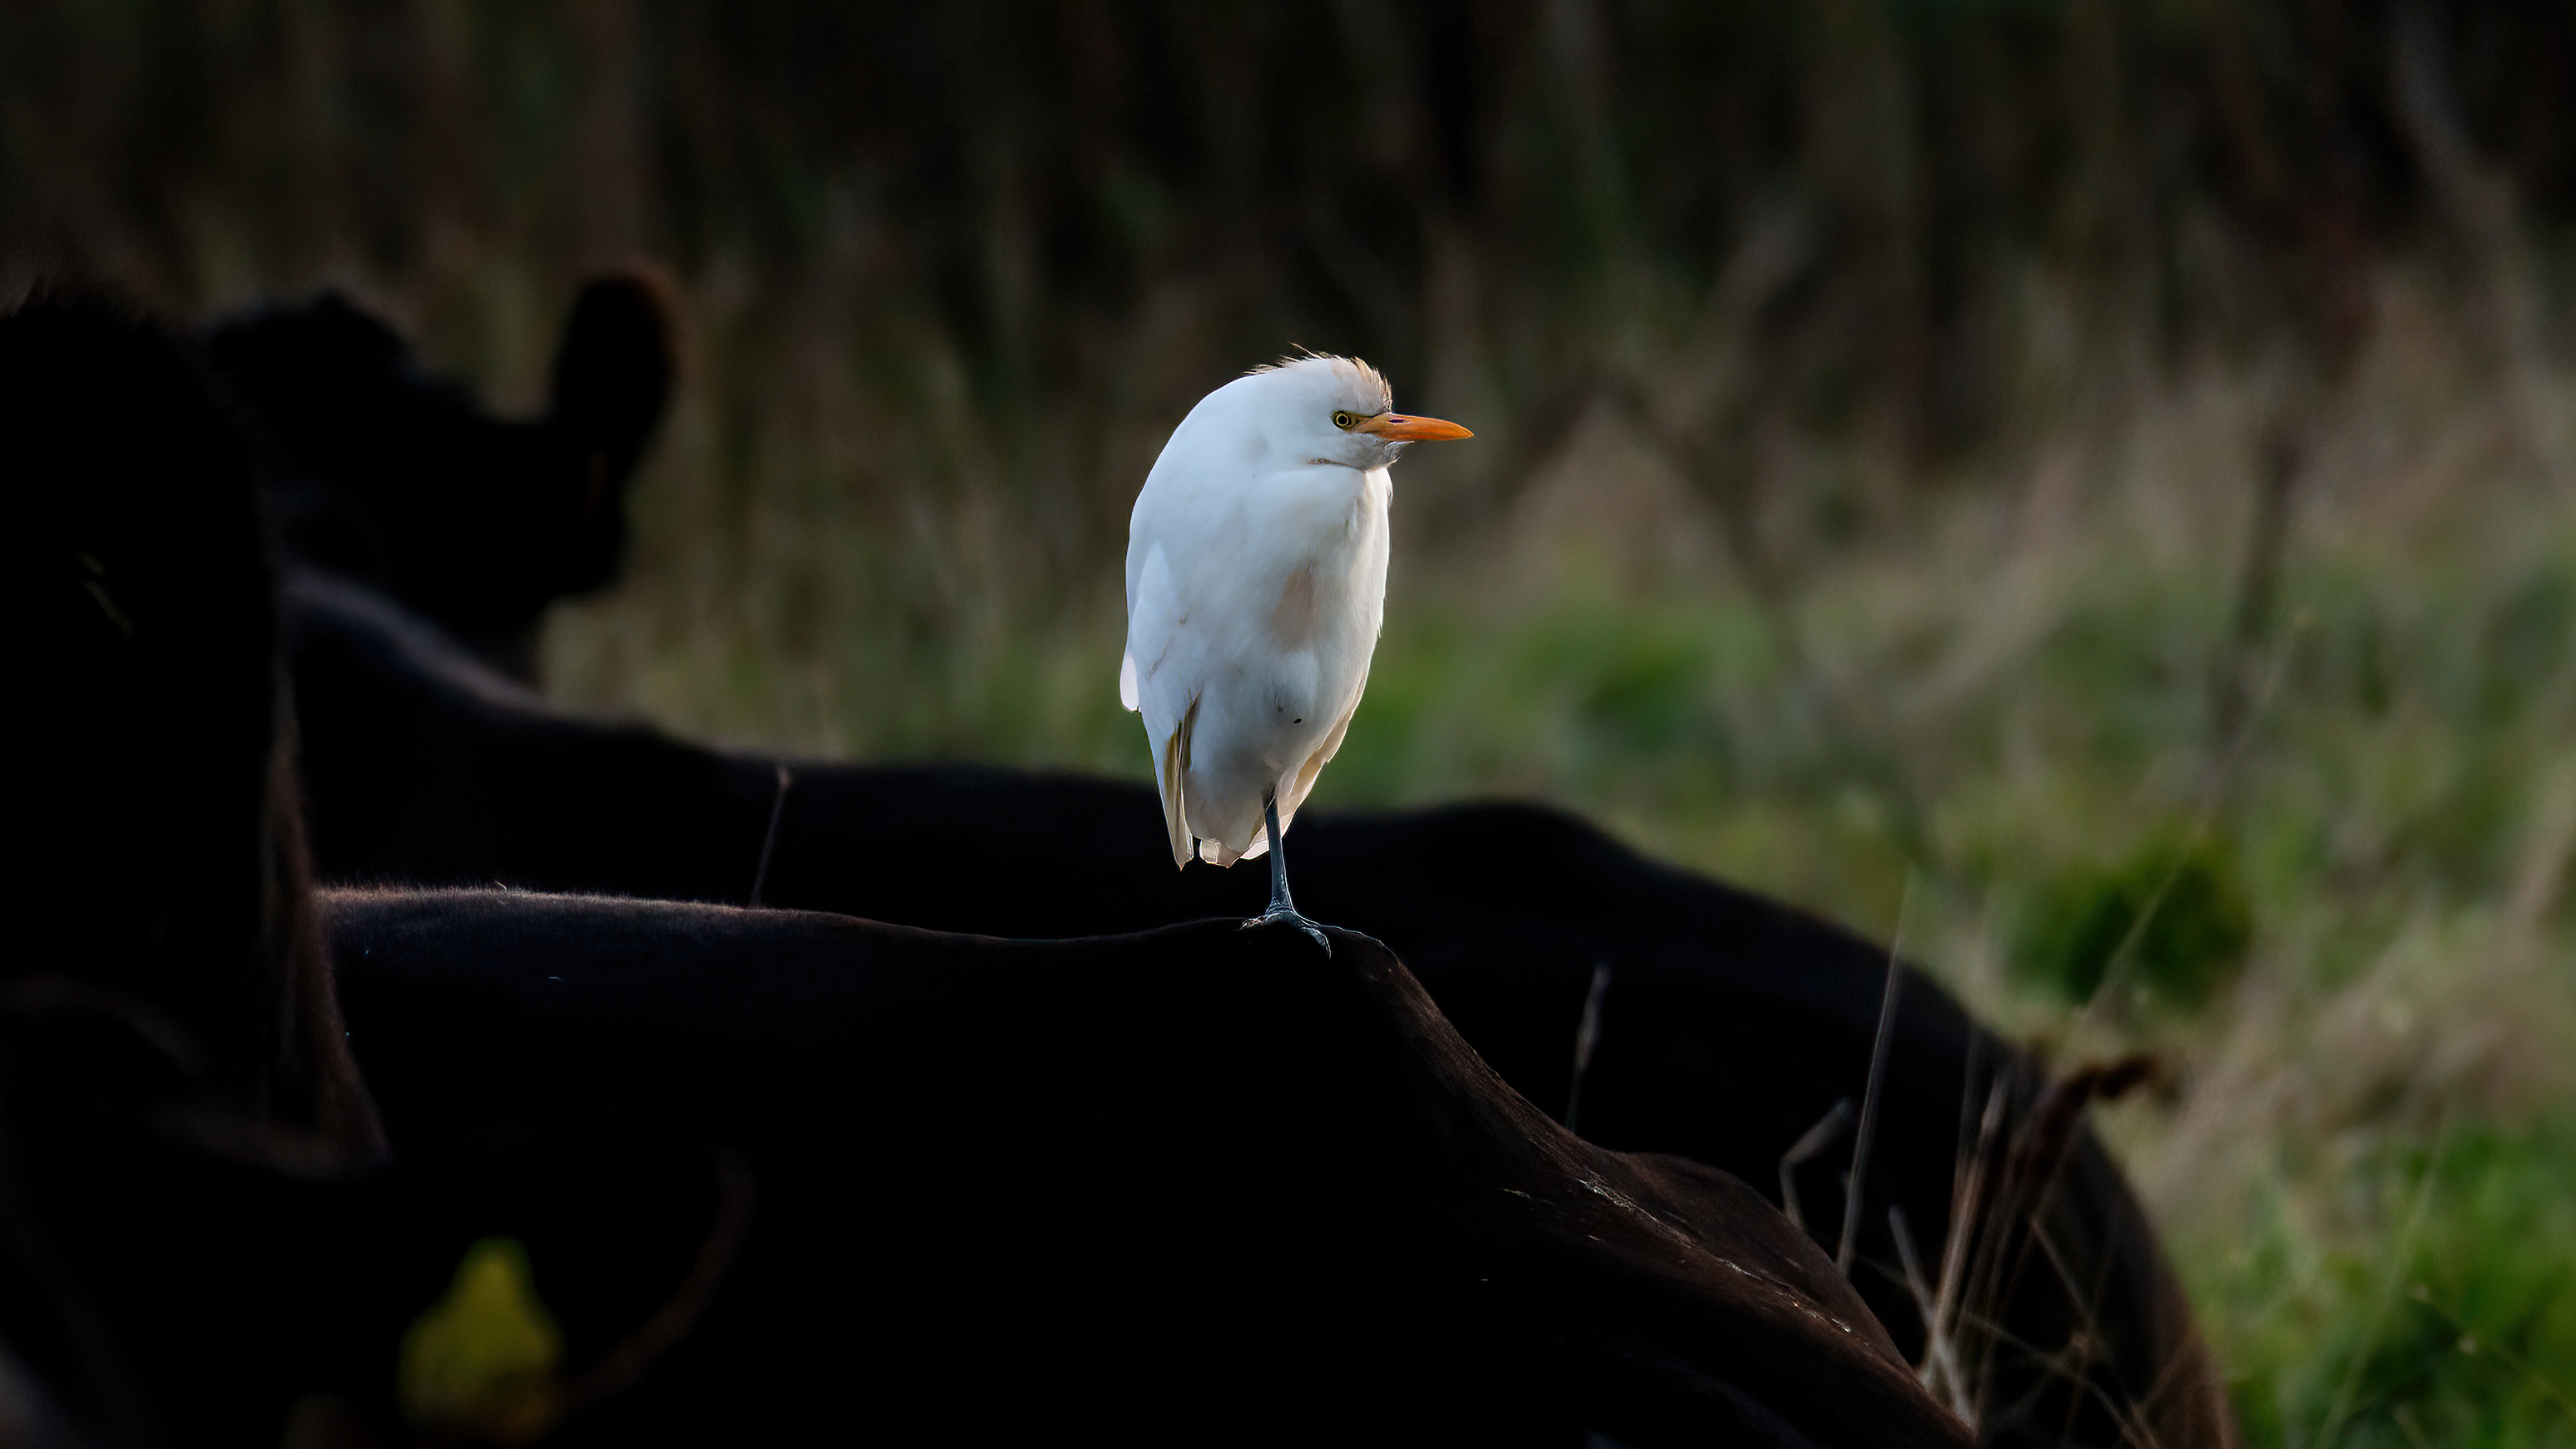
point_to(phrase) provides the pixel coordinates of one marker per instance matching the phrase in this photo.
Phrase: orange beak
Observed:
(1398, 428)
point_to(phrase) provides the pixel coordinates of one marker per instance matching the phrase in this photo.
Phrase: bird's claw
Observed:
(1277, 916)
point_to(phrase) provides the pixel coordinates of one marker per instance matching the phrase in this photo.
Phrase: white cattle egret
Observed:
(1256, 581)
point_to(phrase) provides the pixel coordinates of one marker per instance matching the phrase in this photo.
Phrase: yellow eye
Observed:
(1344, 420)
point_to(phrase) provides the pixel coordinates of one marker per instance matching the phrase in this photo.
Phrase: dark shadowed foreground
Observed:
(200, 1229)
(1195, 1184)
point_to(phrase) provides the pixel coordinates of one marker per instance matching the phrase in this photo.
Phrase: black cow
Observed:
(199, 1225)
(1199, 1184)
(783, 1175)
(1729, 1026)
(167, 1030)
(163, 820)
(374, 468)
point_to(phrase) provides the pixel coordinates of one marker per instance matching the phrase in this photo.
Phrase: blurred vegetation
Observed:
(2454, 1332)
(2100, 473)
(2164, 926)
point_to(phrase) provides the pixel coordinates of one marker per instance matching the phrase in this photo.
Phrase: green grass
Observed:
(2437, 1307)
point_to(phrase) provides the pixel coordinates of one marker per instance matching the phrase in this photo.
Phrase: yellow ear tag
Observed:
(481, 1361)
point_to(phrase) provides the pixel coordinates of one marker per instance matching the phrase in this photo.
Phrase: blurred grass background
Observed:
(2092, 485)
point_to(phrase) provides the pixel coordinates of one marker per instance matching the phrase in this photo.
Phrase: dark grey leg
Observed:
(1282, 911)
(1279, 903)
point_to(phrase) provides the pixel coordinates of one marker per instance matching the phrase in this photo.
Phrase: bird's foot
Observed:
(1279, 915)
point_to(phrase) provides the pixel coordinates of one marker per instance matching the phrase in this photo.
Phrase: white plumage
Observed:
(1256, 583)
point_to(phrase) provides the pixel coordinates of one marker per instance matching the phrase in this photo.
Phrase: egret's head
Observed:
(1338, 410)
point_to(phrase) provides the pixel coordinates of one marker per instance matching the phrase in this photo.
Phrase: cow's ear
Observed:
(614, 369)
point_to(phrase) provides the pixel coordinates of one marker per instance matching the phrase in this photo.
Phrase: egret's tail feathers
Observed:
(1127, 682)
(1176, 765)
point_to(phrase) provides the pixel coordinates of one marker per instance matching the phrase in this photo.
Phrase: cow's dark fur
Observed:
(377, 469)
(1199, 1184)
(1730, 1024)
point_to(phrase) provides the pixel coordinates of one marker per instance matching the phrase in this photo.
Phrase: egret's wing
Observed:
(1293, 790)
(1152, 613)
(1153, 627)
(1161, 688)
